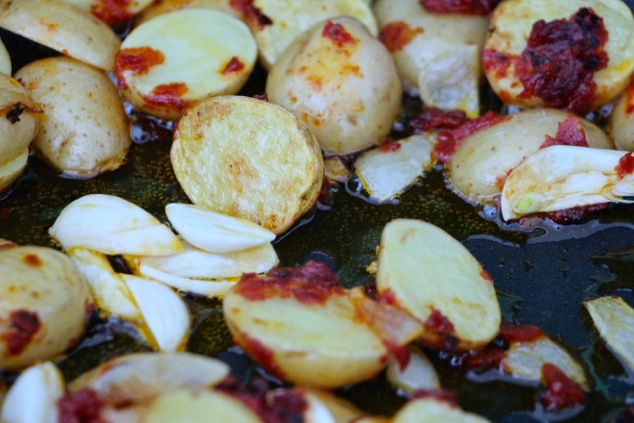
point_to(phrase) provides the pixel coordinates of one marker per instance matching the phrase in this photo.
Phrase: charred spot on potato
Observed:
(13, 115)
(23, 325)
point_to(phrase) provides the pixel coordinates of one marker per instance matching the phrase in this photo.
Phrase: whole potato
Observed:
(341, 82)
(84, 129)
(43, 305)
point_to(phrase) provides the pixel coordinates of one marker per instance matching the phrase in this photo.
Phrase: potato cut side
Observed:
(216, 232)
(390, 169)
(34, 395)
(419, 373)
(112, 225)
(5, 60)
(432, 276)
(180, 58)
(164, 312)
(84, 130)
(62, 27)
(110, 292)
(336, 170)
(562, 177)
(431, 410)
(136, 378)
(10, 171)
(158, 8)
(485, 157)
(249, 159)
(341, 410)
(614, 319)
(284, 21)
(621, 122)
(511, 25)
(112, 12)
(524, 360)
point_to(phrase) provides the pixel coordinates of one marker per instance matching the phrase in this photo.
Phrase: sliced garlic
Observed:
(215, 232)
(436, 279)
(430, 410)
(34, 395)
(614, 319)
(109, 290)
(562, 177)
(164, 312)
(390, 169)
(112, 225)
(418, 374)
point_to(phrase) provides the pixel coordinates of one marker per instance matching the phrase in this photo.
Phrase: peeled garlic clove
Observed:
(112, 225)
(418, 374)
(110, 292)
(614, 319)
(524, 360)
(34, 395)
(391, 168)
(436, 279)
(434, 410)
(164, 312)
(64, 28)
(215, 232)
(562, 177)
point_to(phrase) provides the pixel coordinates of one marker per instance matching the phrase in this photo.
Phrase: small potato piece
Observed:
(84, 129)
(5, 60)
(43, 305)
(248, 158)
(341, 82)
(10, 171)
(621, 122)
(112, 12)
(165, 6)
(280, 22)
(419, 373)
(430, 410)
(436, 279)
(182, 57)
(62, 27)
(416, 37)
(510, 65)
(484, 158)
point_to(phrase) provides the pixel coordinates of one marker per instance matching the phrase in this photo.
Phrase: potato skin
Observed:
(40, 286)
(84, 129)
(348, 95)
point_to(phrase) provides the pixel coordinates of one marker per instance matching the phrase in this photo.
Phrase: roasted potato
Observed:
(112, 12)
(84, 130)
(621, 122)
(341, 82)
(165, 6)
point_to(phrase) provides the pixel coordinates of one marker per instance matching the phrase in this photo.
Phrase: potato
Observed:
(416, 37)
(62, 27)
(5, 60)
(419, 373)
(484, 158)
(10, 171)
(247, 158)
(276, 23)
(43, 306)
(432, 410)
(112, 12)
(433, 277)
(341, 82)
(511, 25)
(165, 6)
(182, 57)
(621, 122)
(84, 130)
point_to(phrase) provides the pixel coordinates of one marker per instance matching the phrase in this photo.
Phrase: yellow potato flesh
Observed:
(165, 6)
(429, 410)
(19, 119)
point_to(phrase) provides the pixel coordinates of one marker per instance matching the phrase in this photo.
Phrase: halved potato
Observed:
(277, 23)
(112, 12)
(417, 38)
(485, 157)
(182, 57)
(621, 122)
(161, 7)
(84, 130)
(62, 27)
(511, 25)
(431, 410)
(248, 158)
(5, 60)
(341, 82)
(43, 305)
(433, 277)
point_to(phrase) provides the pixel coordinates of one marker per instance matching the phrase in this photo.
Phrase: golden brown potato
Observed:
(525, 70)
(43, 305)
(247, 158)
(164, 6)
(62, 27)
(84, 129)
(341, 82)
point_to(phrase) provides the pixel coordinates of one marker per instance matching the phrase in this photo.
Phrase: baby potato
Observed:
(416, 37)
(341, 82)
(62, 27)
(484, 158)
(112, 12)
(576, 54)
(84, 129)
(247, 158)
(165, 6)
(43, 305)
(275, 24)
(182, 57)
(5, 60)
(621, 122)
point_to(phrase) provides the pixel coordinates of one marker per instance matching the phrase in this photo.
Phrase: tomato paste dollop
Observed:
(23, 324)
(137, 60)
(168, 95)
(397, 35)
(338, 34)
(83, 406)
(561, 58)
(432, 118)
(464, 7)
(112, 12)
(569, 132)
(561, 391)
(250, 13)
(625, 166)
(234, 65)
